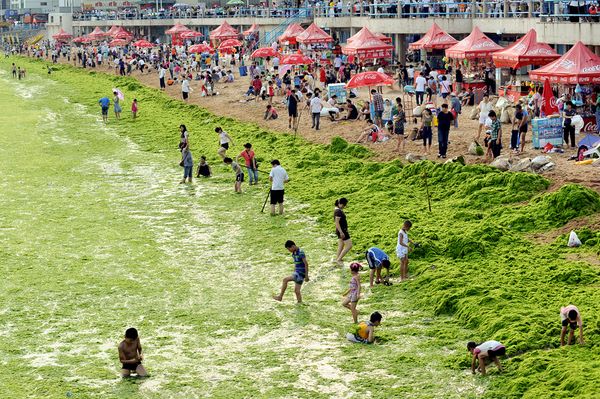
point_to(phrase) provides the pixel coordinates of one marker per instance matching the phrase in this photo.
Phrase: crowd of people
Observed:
(305, 89)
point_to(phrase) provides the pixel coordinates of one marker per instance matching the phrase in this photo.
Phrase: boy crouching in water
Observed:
(130, 354)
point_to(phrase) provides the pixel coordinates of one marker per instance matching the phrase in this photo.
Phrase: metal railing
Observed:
(553, 10)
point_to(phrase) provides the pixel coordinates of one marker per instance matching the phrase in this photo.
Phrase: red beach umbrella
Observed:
(117, 42)
(143, 43)
(230, 43)
(190, 34)
(264, 52)
(200, 48)
(371, 78)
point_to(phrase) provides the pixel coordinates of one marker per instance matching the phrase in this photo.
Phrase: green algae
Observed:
(475, 263)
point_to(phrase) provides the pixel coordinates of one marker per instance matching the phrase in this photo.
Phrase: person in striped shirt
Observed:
(300, 274)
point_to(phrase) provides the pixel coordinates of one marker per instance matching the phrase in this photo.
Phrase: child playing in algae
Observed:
(130, 354)
(203, 168)
(352, 295)
(486, 352)
(403, 248)
(300, 273)
(239, 174)
(365, 331)
(377, 259)
(570, 318)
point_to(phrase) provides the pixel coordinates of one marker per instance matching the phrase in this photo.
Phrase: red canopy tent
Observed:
(112, 30)
(251, 30)
(224, 32)
(578, 66)
(476, 45)
(383, 38)
(98, 33)
(313, 35)
(289, 35)
(177, 29)
(366, 45)
(62, 35)
(525, 51)
(434, 39)
(117, 42)
(121, 33)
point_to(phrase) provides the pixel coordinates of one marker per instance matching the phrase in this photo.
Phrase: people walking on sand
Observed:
(398, 121)
(278, 177)
(445, 119)
(495, 137)
(570, 318)
(485, 106)
(300, 274)
(292, 104)
(365, 331)
(104, 104)
(224, 141)
(403, 248)
(489, 351)
(341, 230)
(426, 133)
(352, 295)
(130, 354)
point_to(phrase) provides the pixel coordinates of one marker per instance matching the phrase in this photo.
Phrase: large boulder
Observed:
(538, 162)
(501, 163)
(523, 165)
(412, 158)
(547, 168)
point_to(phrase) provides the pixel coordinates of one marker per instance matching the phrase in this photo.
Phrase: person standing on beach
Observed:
(300, 274)
(104, 104)
(292, 104)
(315, 108)
(341, 230)
(278, 178)
(117, 106)
(485, 106)
(445, 119)
(570, 318)
(250, 162)
(224, 141)
(352, 295)
(239, 174)
(495, 143)
(162, 72)
(403, 248)
(188, 164)
(185, 88)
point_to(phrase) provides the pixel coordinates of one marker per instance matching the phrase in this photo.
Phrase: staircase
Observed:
(274, 34)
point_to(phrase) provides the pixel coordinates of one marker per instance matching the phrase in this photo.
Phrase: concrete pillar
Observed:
(506, 6)
(401, 48)
(473, 8)
(399, 8)
(529, 8)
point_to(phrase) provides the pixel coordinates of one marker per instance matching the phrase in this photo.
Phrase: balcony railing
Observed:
(557, 10)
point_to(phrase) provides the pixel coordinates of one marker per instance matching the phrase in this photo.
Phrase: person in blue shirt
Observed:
(378, 259)
(300, 273)
(104, 103)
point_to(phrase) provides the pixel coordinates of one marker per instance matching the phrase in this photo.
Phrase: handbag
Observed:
(181, 163)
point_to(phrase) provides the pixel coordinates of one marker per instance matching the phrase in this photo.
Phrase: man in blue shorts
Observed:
(378, 259)
(300, 271)
(104, 103)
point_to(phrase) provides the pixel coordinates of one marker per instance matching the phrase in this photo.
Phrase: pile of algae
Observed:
(475, 261)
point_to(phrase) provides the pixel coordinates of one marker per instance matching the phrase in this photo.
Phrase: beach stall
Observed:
(526, 51)
(432, 45)
(62, 36)
(288, 37)
(314, 37)
(577, 76)
(474, 55)
(98, 34)
(223, 32)
(175, 33)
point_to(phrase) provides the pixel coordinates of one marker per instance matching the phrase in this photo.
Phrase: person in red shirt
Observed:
(271, 92)
(322, 76)
(250, 161)
(257, 84)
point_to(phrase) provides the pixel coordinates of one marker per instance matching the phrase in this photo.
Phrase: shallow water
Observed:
(98, 236)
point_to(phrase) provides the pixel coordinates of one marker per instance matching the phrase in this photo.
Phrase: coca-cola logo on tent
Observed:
(567, 64)
(594, 68)
(483, 45)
